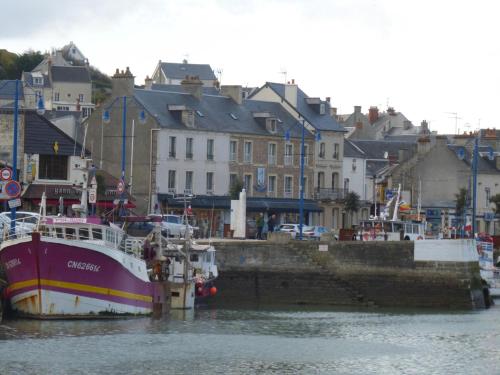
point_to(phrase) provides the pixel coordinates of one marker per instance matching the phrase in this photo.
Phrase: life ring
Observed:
(420, 238)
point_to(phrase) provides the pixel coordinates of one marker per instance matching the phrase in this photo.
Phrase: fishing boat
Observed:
(82, 267)
(384, 229)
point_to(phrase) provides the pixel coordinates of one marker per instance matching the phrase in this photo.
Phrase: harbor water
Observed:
(258, 340)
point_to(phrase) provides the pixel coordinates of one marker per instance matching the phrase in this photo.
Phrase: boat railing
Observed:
(23, 228)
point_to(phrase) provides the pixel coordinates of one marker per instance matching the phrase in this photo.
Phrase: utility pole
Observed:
(455, 116)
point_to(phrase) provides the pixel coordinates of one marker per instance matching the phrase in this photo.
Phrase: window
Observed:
(62, 108)
(233, 149)
(38, 81)
(304, 186)
(210, 149)
(247, 157)
(289, 154)
(271, 153)
(189, 148)
(288, 186)
(346, 184)
(353, 165)
(335, 180)
(171, 147)
(189, 183)
(306, 154)
(233, 179)
(171, 181)
(321, 179)
(336, 149)
(322, 150)
(86, 112)
(487, 193)
(271, 125)
(53, 167)
(271, 185)
(80, 98)
(247, 182)
(56, 96)
(210, 182)
(97, 233)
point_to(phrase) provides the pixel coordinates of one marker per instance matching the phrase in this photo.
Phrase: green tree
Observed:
(235, 189)
(351, 203)
(496, 200)
(460, 202)
(12, 65)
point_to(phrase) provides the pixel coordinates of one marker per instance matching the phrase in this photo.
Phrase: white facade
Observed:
(198, 163)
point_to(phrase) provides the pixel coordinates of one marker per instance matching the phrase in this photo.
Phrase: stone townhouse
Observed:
(194, 143)
(326, 152)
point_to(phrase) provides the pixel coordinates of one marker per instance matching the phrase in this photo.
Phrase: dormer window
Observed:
(188, 118)
(37, 79)
(322, 109)
(271, 125)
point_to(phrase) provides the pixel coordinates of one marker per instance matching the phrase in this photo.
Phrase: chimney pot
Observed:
(293, 81)
(328, 99)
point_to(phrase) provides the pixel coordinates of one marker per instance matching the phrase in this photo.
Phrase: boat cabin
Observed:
(380, 230)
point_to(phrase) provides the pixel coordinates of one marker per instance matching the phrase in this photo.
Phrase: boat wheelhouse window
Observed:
(96, 233)
(59, 233)
(398, 227)
(110, 237)
(194, 258)
(70, 233)
(388, 227)
(83, 233)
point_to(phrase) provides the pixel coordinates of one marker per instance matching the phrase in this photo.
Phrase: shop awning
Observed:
(254, 204)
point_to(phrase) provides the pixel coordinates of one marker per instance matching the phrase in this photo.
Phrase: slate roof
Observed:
(352, 151)
(321, 122)
(8, 90)
(216, 113)
(179, 88)
(40, 135)
(181, 70)
(484, 165)
(28, 78)
(78, 74)
(375, 149)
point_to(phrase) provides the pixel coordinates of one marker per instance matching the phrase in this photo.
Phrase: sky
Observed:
(434, 60)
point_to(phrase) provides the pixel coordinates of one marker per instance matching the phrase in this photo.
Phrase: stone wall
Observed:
(350, 273)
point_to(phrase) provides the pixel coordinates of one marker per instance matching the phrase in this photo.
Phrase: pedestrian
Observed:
(260, 225)
(271, 223)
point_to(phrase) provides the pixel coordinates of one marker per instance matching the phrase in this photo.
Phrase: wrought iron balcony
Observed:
(329, 194)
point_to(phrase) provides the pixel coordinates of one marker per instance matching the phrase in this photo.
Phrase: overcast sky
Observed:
(426, 58)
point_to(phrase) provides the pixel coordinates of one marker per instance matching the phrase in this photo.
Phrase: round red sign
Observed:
(6, 174)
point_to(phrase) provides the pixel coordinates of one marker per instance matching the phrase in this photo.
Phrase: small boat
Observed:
(84, 268)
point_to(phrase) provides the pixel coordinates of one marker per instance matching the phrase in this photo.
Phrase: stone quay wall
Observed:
(355, 273)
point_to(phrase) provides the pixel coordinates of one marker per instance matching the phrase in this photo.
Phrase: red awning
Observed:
(109, 204)
(69, 202)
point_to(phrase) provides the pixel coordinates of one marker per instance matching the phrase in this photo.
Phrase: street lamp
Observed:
(106, 118)
(301, 182)
(40, 110)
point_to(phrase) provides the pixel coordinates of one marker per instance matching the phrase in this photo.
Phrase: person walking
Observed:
(260, 225)
(271, 223)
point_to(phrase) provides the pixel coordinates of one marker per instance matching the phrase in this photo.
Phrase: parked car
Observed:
(175, 226)
(315, 232)
(293, 229)
(143, 228)
(25, 221)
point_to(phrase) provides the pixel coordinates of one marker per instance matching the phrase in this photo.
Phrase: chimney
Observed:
(423, 145)
(235, 92)
(333, 112)
(424, 127)
(328, 99)
(193, 86)
(122, 83)
(357, 109)
(291, 93)
(406, 125)
(373, 114)
(148, 83)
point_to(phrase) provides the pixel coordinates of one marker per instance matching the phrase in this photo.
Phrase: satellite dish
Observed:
(461, 153)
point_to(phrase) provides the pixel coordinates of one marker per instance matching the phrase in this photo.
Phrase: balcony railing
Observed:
(329, 194)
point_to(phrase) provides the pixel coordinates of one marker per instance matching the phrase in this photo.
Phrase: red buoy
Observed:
(213, 291)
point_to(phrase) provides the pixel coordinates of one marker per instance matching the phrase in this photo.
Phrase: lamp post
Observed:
(40, 110)
(106, 118)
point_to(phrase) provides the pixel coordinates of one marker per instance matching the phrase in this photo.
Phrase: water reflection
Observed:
(258, 340)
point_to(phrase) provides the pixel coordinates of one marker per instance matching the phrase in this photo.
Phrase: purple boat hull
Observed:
(50, 277)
